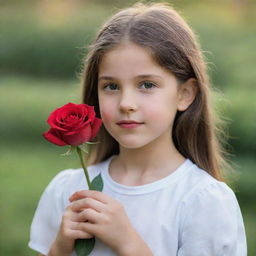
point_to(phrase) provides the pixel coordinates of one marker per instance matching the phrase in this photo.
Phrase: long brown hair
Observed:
(173, 44)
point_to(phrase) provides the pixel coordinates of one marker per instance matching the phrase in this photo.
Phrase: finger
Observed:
(79, 234)
(87, 227)
(84, 216)
(90, 193)
(85, 203)
(88, 215)
(83, 235)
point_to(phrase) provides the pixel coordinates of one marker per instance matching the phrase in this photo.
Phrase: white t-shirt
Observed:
(188, 213)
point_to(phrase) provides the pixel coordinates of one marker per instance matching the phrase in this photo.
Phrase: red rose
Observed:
(72, 124)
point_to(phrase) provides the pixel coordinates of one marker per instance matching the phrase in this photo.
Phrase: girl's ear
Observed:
(187, 93)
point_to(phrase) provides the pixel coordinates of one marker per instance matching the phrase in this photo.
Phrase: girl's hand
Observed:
(70, 230)
(95, 213)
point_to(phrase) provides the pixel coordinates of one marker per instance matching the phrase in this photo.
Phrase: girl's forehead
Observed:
(131, 62)
(129, 57)
(127, 46)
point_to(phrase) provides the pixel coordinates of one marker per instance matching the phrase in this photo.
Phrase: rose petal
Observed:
(78, 138)
(91, 113)
(69, 123)
(69, 133)
(53, 137)
(81, 122)
(53, 120)
(95, 127)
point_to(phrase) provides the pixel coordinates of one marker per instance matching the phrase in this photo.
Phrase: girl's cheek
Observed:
(105, 110)
(106, 116)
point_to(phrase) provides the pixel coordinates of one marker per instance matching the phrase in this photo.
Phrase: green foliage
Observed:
(237, 110)
(32, 43)
(97, 183)
(26, 104)
(33, 100)
(242, 114)
(245, 188)
(25, 171)
(35, 44)
(41, 52)
(49, 41)
(84, 247)
(29, 161)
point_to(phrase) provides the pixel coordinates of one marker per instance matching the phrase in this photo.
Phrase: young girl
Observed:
(159, 157)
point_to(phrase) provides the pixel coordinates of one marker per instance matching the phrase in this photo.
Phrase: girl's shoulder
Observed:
(76, 174)
(210, 217)
(68, 181)
(203, 188)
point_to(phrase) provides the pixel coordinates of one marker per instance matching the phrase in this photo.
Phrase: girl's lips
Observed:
(129, 124)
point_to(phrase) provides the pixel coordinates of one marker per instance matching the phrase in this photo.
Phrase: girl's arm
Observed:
(101, 216)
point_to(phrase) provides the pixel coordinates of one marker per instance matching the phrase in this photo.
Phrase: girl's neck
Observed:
(144, 165)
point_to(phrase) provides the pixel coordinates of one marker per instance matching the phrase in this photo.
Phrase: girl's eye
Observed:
(110, 87)
(147, 85)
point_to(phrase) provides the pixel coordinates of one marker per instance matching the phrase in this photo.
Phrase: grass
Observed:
(26, 103)
(25, 172)
(28, 162)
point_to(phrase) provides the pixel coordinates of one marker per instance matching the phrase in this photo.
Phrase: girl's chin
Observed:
(132, 145)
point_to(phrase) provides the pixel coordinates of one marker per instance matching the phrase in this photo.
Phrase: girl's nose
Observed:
(128, 103)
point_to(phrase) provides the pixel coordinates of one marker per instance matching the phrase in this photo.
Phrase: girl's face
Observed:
(138, 99)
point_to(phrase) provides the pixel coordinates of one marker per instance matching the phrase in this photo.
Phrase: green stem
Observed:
(79, 151)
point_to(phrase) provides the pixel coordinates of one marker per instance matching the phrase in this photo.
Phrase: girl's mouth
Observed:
(129, 124)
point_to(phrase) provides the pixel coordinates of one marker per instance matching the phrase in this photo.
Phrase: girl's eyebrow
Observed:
(139, 76)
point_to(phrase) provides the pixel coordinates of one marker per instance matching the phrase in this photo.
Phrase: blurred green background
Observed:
(41, 47)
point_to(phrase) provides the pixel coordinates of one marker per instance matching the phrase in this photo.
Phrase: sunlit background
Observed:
(42, 44)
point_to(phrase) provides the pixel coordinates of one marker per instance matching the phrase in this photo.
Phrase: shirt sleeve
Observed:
(212, 223)
(48, 215)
